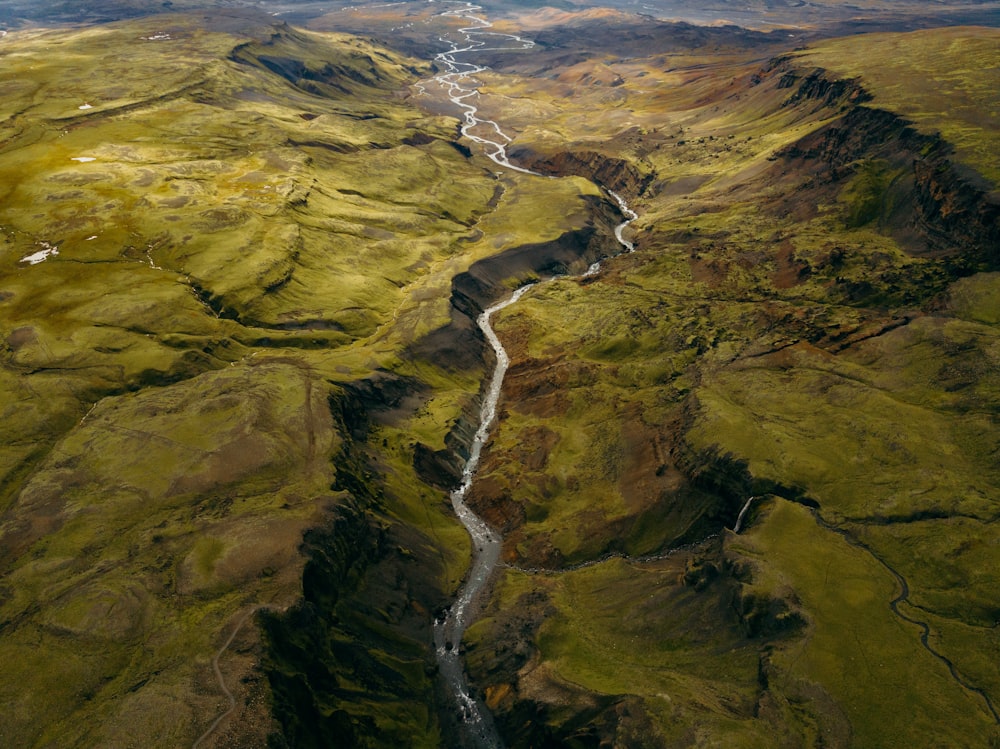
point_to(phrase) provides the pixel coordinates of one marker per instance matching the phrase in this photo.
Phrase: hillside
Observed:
(809, 320)
(194, 275)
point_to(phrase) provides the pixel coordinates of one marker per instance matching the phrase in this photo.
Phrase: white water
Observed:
(743, 512)
(460, 87)
(486, 544)
(630, 216)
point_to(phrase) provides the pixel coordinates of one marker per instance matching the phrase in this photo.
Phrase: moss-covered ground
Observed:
(217, 384)
(777, 334)
(239, 222)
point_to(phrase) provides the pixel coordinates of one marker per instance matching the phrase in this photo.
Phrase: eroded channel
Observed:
(459, 85)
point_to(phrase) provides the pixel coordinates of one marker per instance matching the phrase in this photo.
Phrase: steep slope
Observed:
(807, 322)
(225, 244)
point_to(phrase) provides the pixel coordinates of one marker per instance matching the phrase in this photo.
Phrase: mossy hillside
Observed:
(868, 430)
(976, 298)
(519, 216)
(947, 563)
(215, 219)
(906, 417)
(906, 693)
(74, 333)
(809, 306)
(633, 649)
(194, 480)
(942, 79)
(586, 440)
(176, 184)
(916, 422)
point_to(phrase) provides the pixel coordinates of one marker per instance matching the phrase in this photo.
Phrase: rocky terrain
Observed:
(746, 475)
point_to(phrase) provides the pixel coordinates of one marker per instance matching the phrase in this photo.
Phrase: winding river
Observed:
(460, 87)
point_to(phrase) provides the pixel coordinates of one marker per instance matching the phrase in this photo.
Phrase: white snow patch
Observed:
(43, 254)
(83, 159)
(86, 106)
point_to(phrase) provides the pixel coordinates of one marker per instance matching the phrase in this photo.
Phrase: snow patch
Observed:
(43, 254)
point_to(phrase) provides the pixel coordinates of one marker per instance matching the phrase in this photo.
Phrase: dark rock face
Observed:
(617, 174)
(953, 211)
(930, 205)
(300, 665)
(328, 650)
(816, 86)
(439, 468)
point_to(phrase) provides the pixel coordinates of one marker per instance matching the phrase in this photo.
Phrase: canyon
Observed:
(260, 264)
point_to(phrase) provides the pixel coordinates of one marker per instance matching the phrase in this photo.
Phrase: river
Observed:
(460, 86)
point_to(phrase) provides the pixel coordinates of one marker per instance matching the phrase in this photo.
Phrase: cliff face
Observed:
(350, 664)
(956, 212)
(605, 169)
(815, 86)
(929, 203)
(356, 648)
(460, 344)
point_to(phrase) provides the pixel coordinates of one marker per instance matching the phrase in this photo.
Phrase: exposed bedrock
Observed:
(815, 85)
(903, 181)
(334, 672)
(617, 174)
(460, 344)
(489, 280)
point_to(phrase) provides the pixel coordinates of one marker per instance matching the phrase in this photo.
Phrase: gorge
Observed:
(315, 278)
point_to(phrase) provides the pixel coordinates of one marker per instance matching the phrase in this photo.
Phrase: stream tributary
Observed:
(459, 85)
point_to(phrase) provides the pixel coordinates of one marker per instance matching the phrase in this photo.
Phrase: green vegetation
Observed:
(241, 246)
(233, 398)
(942, 79)
(783, 331)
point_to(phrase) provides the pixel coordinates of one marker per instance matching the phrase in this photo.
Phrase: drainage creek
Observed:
(459, 85)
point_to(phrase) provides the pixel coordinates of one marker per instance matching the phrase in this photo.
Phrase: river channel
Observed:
(459, 85)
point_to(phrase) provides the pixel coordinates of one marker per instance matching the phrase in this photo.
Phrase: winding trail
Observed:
(904, 597)
(460, 87)
(221, 679)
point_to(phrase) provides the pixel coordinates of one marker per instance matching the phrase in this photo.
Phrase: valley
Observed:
(258, 266)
